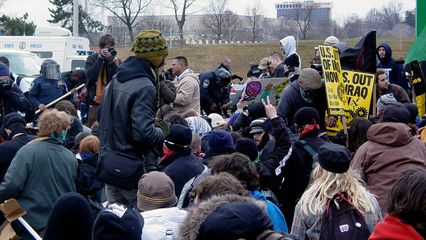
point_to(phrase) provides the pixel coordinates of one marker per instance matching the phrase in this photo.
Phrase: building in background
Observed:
(298, 10)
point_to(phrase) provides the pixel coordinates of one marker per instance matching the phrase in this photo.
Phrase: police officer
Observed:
(214, 90)
(48, 86)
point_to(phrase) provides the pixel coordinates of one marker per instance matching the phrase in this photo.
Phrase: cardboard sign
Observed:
(418, 82)
(331, 69)
(257, 89)
(358, 91)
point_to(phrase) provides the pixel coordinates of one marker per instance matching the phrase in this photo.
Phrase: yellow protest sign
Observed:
(331, 69)
(358, 91)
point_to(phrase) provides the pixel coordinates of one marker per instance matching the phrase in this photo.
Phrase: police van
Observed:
(52, 42)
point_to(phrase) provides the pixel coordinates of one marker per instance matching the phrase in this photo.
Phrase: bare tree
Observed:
(254, 14)
(2, 2)
(215, 19)
(180, 9)
(390, 15)
(127, 11)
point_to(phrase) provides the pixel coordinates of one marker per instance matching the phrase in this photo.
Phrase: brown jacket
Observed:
(187, 93)
(389, 151)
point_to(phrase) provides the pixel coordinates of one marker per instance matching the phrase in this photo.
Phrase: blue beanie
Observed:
(4, 70)
(220, 140)
(247, 147)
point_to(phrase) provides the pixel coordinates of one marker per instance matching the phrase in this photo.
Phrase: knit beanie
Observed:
(156, 190)
(305, 115)
(247, 147)
(396, 113)
(4, 70)
(179, 138)
(150, 45)
(385, 100)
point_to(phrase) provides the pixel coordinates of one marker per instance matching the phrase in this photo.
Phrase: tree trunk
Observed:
(132, 35)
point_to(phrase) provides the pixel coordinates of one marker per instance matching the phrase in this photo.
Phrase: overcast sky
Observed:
(39, 13)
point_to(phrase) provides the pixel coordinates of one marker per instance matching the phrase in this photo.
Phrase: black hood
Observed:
(388, 55)
(135, 67)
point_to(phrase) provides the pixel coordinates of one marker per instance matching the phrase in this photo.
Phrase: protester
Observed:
(219, 184)
(357, 133)
(76, 125)
(296, 167)
(74, 78)
(384, 87)
(117, 222)
(385, 100)
(265, 67)
(187, 87)
(406, 217)
(14, 125)
(332, 176)
(178, 161)
(254, 70)
(390, 149)
(226, 217)
(100, 67)
(240, 167)
(157, 200)
(48, 86)
(307, 91)
(15, 83)
(331, 41)
(131, 131)
(215, 90)
(71, 219)
(198, 125)
(217, 122)
(276, 65)
(219, 143)
(42, 170)
(292, 60)
(11, 99)
(386, 62)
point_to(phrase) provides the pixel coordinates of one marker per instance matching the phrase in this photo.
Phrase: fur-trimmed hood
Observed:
(190, 228)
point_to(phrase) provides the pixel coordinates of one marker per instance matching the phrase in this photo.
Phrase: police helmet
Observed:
(223, 76)
(50, 69)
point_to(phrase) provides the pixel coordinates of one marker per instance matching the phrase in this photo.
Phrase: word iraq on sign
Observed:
(357, 86)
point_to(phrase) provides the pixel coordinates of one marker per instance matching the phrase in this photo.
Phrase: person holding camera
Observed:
(100, 68)
(214, 90)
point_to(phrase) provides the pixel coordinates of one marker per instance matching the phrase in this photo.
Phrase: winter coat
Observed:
(398, 92)
(389, 151)
(187, 93)
(12, 101)
(395, 76)
(87, 183)
(44, 91)
(94, 65)
(296, 174)
(40, 173)
(181, 167)
(127, 124)
(291, 100)
(190, 228)
(9, 149)
(162, 223)
(292, 60)
(393, 228)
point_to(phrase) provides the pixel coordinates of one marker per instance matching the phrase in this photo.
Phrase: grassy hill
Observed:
(204, 57)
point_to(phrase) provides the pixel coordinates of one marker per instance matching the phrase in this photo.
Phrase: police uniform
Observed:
(44, 91)
(211, 91)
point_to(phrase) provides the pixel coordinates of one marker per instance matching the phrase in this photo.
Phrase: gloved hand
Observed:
(164, 125)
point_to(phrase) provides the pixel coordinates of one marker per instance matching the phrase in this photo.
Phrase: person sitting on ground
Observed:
(219, 142)
(384, 87)
(178, 161)
(244, 170)
(157, 200)
(406, 219)
(217, 122)
(390, 149)
(332, 176)
(76, 125)
(42, 170)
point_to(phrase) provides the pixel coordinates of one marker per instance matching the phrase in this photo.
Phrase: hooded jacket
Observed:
(187, 93)
(292, 59)
(388, 63)
(127, 121)
(191, 227)
(392, 228)
(389, 151)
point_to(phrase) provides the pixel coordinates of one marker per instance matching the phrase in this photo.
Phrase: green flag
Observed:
(418, 49)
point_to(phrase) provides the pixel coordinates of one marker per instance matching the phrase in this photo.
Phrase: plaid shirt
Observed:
(309, 227)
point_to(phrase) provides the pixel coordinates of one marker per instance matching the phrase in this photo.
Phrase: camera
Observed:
(5, 86)
(112, 51)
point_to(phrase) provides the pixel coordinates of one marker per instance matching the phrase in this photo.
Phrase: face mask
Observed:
(307, 96)
(61, 137)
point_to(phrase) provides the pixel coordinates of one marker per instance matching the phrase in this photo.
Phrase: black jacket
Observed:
(94, 65)
(211, 91)
(181, 167)
(87, 184)
(9, 149)
(291, 100)
(296, 175)
(127, 124)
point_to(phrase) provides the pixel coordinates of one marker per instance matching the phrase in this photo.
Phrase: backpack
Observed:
(341, 220)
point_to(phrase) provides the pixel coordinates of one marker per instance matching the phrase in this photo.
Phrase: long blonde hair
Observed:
(326, 184)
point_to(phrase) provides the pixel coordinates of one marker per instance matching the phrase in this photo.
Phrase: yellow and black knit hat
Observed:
(151, 46)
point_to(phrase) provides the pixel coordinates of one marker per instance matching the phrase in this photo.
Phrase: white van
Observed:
(66, 50)
(24, 65)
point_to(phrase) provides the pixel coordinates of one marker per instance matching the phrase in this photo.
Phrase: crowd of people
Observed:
(144, 151)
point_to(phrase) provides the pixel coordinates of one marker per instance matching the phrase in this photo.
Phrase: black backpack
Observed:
(343, 221)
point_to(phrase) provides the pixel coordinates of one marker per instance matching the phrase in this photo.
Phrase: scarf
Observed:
(101, 83)
(309, 128)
